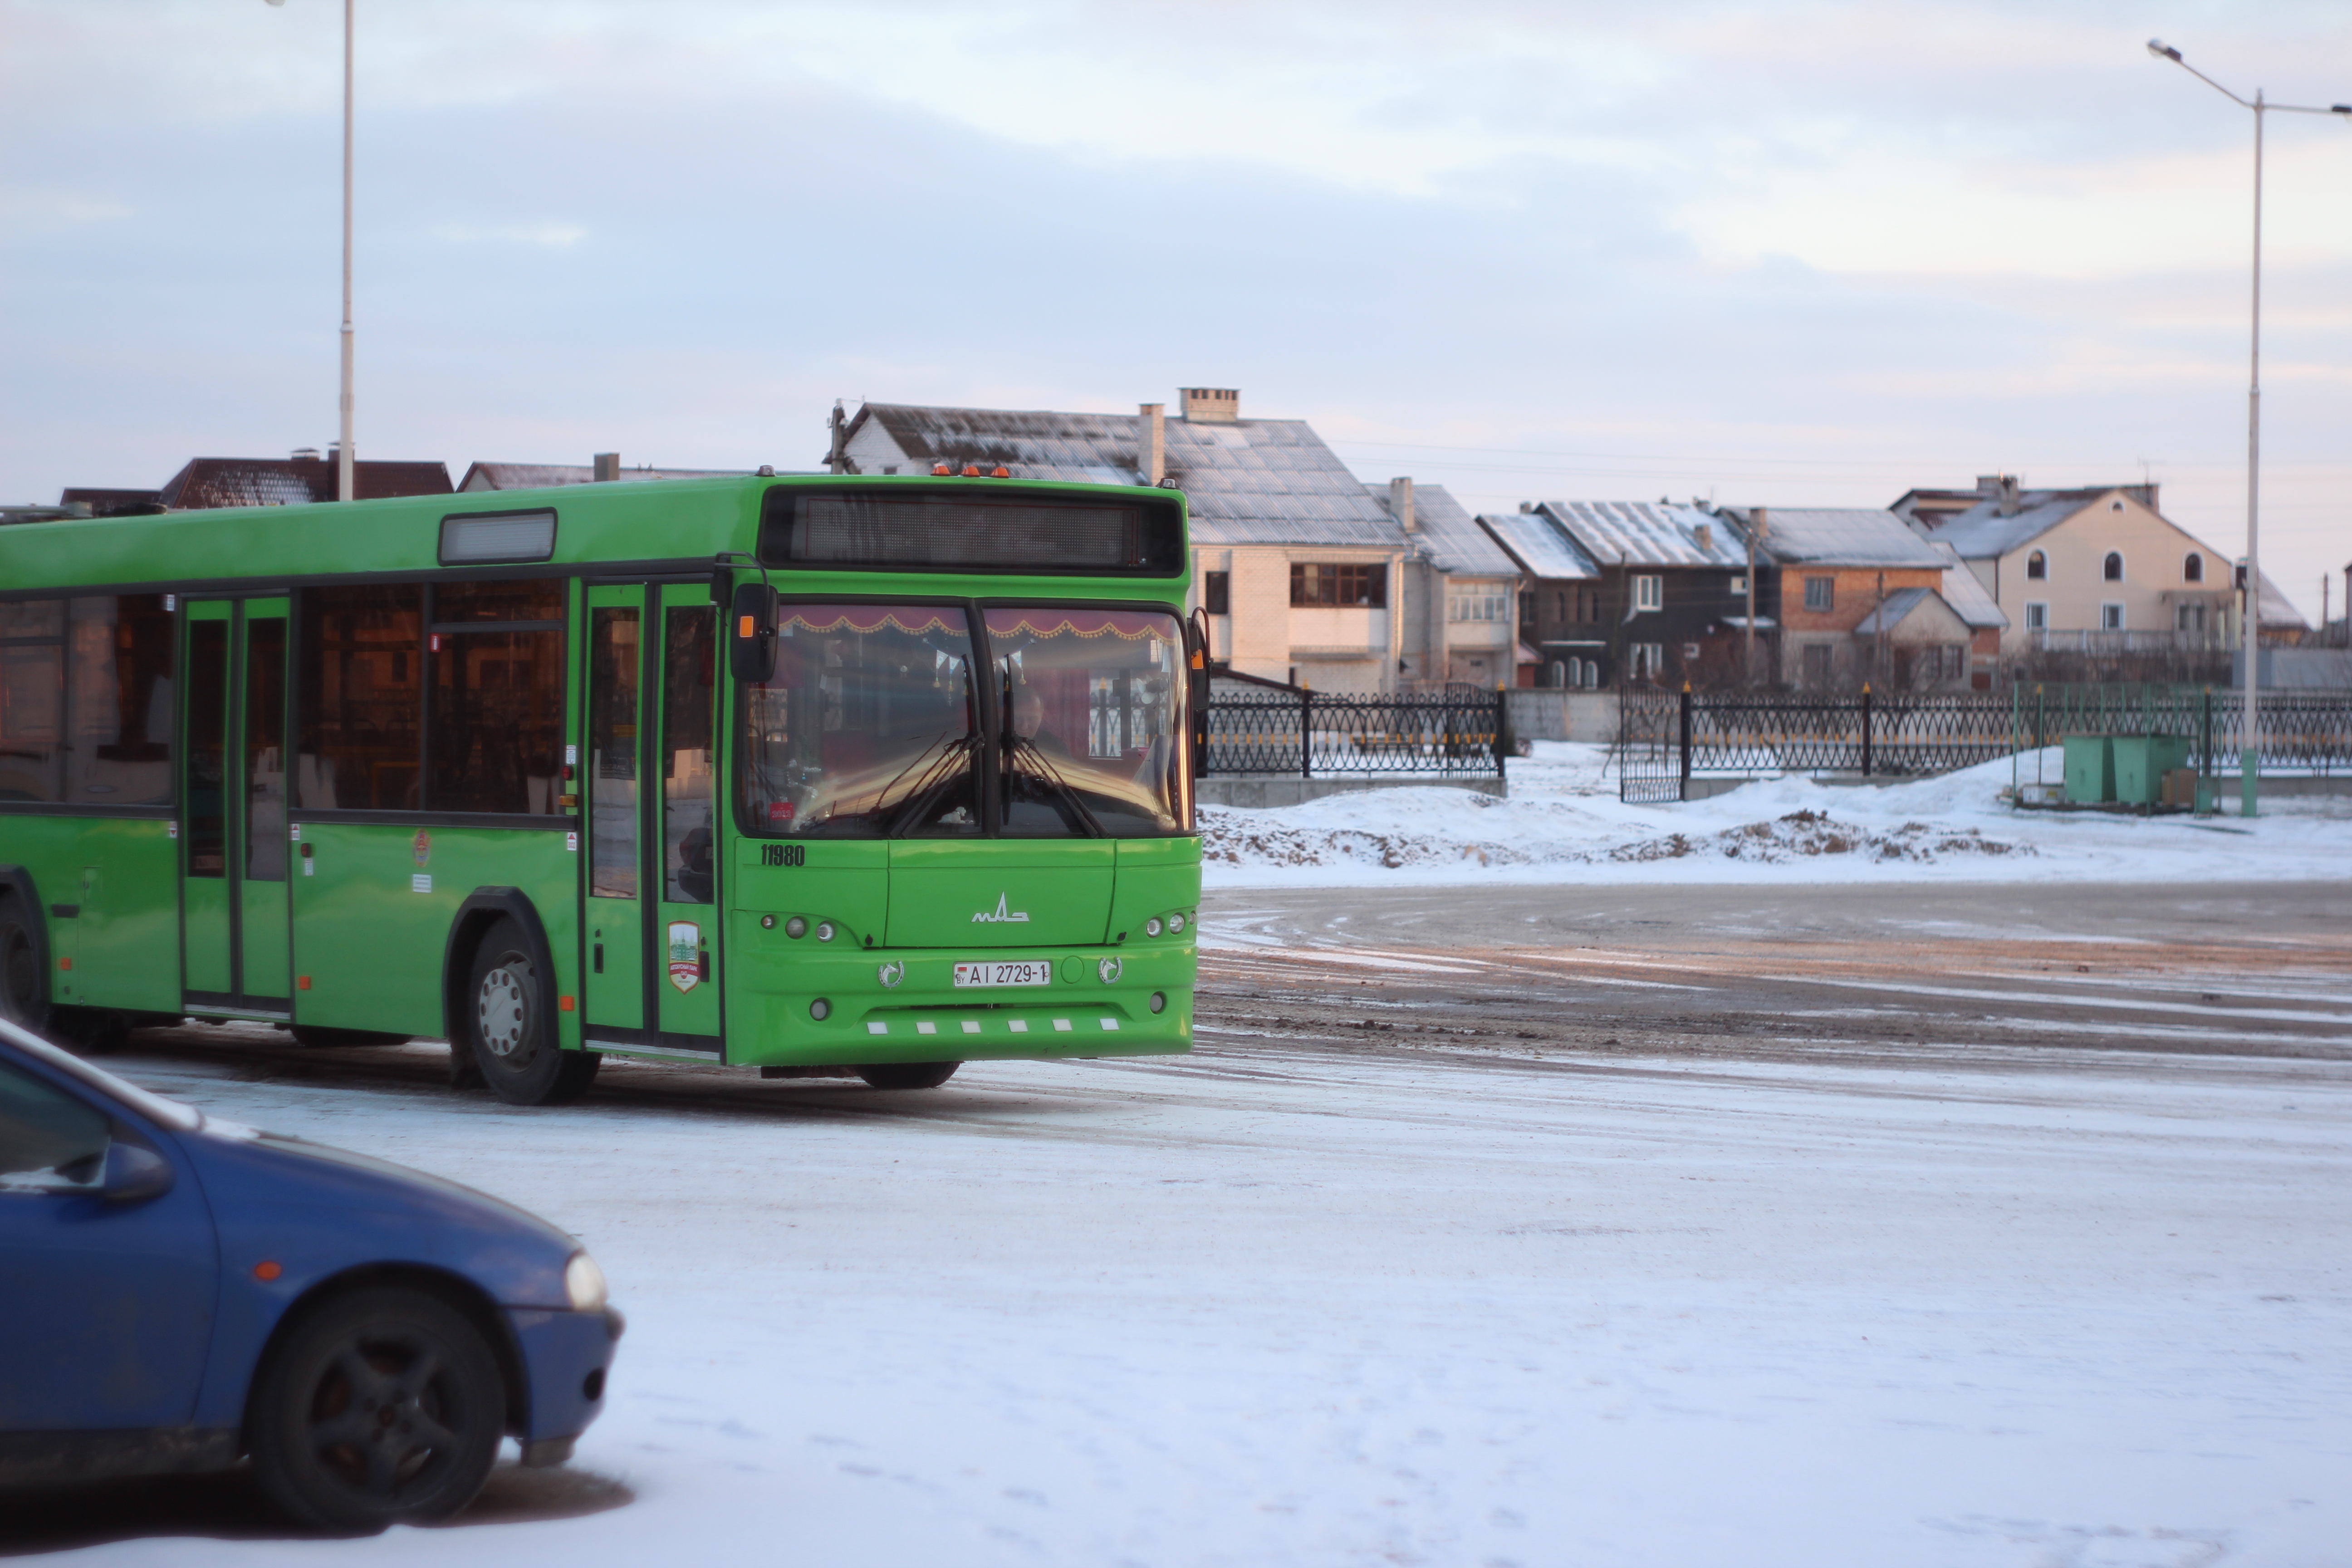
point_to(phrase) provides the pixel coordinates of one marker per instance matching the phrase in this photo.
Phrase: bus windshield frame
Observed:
(1050, 719)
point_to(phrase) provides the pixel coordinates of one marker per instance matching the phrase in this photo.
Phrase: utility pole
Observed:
(343, 478)
(1754, 529)
(2251, 735)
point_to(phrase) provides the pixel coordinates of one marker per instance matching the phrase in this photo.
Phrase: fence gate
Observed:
(1652, 746)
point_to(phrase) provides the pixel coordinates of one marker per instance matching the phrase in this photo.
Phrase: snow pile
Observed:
(1563, 823)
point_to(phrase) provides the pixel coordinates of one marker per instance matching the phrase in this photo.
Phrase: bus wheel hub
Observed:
(500, 1009)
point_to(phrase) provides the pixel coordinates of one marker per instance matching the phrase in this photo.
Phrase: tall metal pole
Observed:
(2250, 719)
(344, 458)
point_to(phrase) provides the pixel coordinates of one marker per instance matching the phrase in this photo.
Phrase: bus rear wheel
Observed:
(20, 970)
(908, 1074)
(510, 1028)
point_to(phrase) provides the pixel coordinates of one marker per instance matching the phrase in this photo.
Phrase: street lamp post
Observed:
(343, 482)
(2250, 734)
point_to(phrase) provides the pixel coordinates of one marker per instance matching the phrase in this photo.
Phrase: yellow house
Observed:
(2100, 569)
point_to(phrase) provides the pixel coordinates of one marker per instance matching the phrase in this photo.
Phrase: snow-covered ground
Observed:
(2045, 1310)
(1563, 823)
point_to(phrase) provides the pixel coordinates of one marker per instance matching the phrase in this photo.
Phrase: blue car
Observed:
(178, 1293)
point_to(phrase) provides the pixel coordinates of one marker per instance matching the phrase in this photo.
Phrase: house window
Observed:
(2111, 616)
(2037, 616)
(2188, 617)
(1217, 593)
(1557, 676)
(2192, 567)
(1477, 605)
(1315, 585)
(1956, 661)
(1649, 592)
(1816, 663)
(2037, 567)
(2112, 569)
(1821, 595)
(1739, 587)
(1690, 652)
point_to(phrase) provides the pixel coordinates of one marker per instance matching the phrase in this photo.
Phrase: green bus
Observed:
(815, 775)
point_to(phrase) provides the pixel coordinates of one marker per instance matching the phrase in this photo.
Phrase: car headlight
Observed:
(584, 1282)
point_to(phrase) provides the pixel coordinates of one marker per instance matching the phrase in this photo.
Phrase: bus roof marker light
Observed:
(971, 470)
(941, 470)
(1000, 472)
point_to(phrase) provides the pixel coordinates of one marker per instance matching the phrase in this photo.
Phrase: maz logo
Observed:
(1002, 916)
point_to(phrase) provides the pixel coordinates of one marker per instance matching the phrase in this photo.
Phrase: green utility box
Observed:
(2090, 769)
(2141, 762)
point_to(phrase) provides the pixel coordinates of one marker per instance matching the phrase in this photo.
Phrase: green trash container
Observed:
(2090, 769)
(2140, 763)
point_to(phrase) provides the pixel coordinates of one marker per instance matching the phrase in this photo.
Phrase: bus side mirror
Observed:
(751, 624)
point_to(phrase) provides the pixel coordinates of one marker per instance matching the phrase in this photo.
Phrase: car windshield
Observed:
(164, 1113)
(866, 727)
(1093, 701)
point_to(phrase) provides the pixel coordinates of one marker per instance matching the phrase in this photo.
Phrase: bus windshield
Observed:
(867, 726)
(870, 725)
(1092, 701)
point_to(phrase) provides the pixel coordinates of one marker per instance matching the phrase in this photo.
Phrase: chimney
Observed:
(1211, 404)
(608, 467)
(1152, 441)
(306, 454)
(2009, 505)
(1400, 504)
(1705, 533)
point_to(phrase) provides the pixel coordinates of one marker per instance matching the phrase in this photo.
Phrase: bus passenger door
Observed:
(615, 812)
(208, 935)
(688, 791)
(264, 960)
(233, 834)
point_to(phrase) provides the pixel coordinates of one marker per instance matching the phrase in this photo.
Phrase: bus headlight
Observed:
(824, 931)
(584, 1284)
(1176, 923)
(796, 927)
(1151, 927)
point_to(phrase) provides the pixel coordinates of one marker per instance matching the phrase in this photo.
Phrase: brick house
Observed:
(1858, 596)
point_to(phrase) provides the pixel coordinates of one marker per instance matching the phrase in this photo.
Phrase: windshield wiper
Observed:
(1023, 746)
(934, 783)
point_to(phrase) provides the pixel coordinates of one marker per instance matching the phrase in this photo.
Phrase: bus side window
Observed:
(361, 663)
(613, 747)
(119, 724)
(32, 700)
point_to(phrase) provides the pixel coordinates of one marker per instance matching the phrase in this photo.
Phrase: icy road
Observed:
(1473, 1234)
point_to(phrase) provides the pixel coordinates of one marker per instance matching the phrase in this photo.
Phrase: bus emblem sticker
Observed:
(890, 973)
(1000, 916)
(420, 848)
(685, 954)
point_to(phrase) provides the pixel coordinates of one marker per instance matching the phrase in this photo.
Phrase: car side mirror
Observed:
(752, 633)
(134, 1174)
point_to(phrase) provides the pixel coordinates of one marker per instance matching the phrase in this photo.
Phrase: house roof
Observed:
(295, 482)
(1966, 594)
(1536, 543)
(1840, 536)
(1648, 533)
(1982, 530)
(1893, 611)
(1247, 481)
(1450, 536)
(540, 475)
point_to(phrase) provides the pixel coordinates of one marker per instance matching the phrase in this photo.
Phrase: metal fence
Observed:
(1667, 737)
(1307, 735)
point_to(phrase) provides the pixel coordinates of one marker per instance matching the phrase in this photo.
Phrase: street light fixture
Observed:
(2250, 734)
(343, 452)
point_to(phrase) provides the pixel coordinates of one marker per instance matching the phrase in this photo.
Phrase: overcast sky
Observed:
(1770, 252)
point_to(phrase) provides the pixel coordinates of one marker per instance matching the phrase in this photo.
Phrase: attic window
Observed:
(2192, 567)
(2115, 506)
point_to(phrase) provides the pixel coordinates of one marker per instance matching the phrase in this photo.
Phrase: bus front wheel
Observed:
(908, 1074)
(511, 1030)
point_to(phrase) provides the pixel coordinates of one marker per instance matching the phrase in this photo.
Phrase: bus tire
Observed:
(24, 989)
(382, 1407)
(908, 1074)
(510, 1022)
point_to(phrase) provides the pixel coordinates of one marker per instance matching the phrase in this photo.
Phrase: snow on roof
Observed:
(1536, 543)
(1450, 536)
(540, 475)
(1842, 536)
(1650, 533)
(295, 482)
(1982, 530)
(1893, 610)
(1247, 482)
(1965, 594)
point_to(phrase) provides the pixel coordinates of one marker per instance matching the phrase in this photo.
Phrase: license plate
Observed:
(1020, 971)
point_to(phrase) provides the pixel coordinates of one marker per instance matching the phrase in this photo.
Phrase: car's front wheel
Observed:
(384, 1406)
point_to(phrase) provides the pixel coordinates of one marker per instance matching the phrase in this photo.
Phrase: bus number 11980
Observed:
(783, 853)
